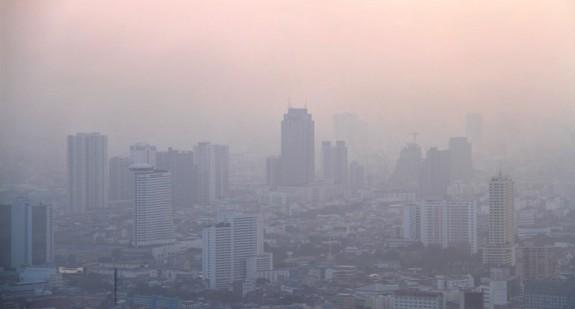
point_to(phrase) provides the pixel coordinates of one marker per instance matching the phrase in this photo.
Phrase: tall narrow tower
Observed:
(297, 148)
(87, 171)
(500, 249)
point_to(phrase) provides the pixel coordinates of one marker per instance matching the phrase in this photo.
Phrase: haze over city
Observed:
(351, 154)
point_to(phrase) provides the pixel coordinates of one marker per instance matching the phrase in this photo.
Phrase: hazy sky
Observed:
(173, 72)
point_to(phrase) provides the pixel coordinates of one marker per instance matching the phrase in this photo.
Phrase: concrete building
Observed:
(415, 299)
(500, 249)
(183, 172)
(407, 169)
(87, 171)
(335, 162)
(537, 259)
(121, 180)
(212, 164)
(297, 148)
(233, 250)
(434, 174)
(142, 154)
(26, 235)
(447, 223)
(153, 211)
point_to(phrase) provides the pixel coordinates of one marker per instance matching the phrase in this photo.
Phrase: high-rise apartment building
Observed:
(500, 248)
(153, 213)
(415, 299)
(183, 172)
(87, 171)
(446, 223)
(212, 166)
(297, 148)
(537, 259)
(406, 173)
(26, 235)
(121, 180)
(230, 249)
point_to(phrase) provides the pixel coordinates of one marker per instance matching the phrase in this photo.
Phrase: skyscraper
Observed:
(212, 162)
(500, 249)
(183, 171)
(460, 158)
(434, 174)
(406, 173)
(297, 148)
(350, 128)
(26, 235)
(230, 247)
(87, 171)
(334, 162)
(272, 171)
(153, 213)
(121, 180)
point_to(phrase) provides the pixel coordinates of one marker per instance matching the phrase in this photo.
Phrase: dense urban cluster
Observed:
(209, 228)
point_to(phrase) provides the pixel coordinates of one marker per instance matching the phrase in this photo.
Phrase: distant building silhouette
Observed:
(183, 171)
(335, 162)
(406, 173)
(121, 180)
(434, 174)
(26, 235)
(143, 154)
(297, 148)
(87, 171)
(212, 164)
(460, 159)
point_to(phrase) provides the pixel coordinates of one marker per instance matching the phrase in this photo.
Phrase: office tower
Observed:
(474, 128)
(536, 259)
(26, 235)
(406, 173)
(416, 299)
(460, 158)
(230, 249)
(153, 213)
(354, 131)
(87, 171)
(212, 162)
(121, 180)
(334, 162)
(297, 148)
(182, 169)
(500, 248)
(447, 223)
(549, 294)
(434, 174)
(272, 171)
(411, 222)
(143, 154)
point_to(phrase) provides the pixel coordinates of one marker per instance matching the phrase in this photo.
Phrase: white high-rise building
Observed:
(87, 171)
(448, 223)
(143, 154)
(500, 248)
(153, 214)
(230, 249)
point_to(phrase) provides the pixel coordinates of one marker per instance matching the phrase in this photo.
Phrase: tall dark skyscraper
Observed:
(434, 176)
(406, 173)
(183, 171)
(297, 148)
(121, 180)
(26, 235)
(460, 157)
(87, 171)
